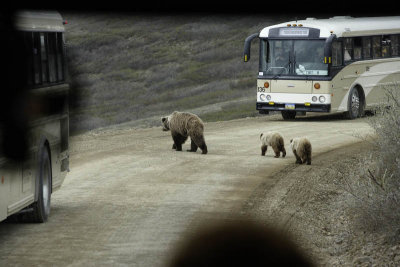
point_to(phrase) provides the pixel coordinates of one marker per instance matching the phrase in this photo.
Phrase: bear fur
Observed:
(301, 148)
(183, 125)
(275, 140)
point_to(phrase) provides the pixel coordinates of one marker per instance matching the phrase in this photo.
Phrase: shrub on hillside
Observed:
(386, 124)
(377, 185)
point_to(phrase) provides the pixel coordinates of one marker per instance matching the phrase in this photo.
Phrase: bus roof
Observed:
(345, 26)
(43, 21)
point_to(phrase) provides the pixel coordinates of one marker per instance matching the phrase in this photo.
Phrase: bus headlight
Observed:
(268, 97)
(314, 99)
(322, 99)
(263, 97)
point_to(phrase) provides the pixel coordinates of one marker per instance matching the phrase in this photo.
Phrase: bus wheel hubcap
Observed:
(355, 103)
(46, 187)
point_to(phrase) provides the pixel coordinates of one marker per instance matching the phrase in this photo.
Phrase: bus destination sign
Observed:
(294, 32)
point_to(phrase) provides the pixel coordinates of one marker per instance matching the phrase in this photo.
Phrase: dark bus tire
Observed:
(355, 105)
(39, 211)
(288, 115)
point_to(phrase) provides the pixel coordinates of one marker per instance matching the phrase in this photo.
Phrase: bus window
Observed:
(395, 45)
(29, 46)
(348, 49)
(309, 57)
(386, 46)
(52, 57)
(357, 48)
(279, 56)
(275, 56)
(264, 51)
(376, 47)
(36, 59)
(43, 54)
(366, 43)
(337, 55)
(307, 54)
(60, 56)
(280, 53)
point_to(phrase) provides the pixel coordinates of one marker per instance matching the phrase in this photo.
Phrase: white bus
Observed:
(26, 186)
(330, 65)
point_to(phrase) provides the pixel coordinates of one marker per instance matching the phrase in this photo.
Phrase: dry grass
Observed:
(375, 182)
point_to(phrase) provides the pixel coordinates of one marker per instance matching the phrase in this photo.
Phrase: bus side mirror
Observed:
(328, 49)
(247, 46)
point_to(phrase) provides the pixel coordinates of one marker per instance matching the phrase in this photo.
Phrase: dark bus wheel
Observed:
(41, 208)
(289, 115)
(354, 105)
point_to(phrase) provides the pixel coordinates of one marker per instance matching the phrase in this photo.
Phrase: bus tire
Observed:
(288, 115)
(40, 209)
(355, 104)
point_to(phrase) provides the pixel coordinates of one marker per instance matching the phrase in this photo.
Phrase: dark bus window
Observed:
(366, 43)
(348, 49)
(28, 36)
(395, 45)
(386, 46)
(376, 47)
(43, 54)
(337, 55)
(36, 59)
(357, 48)
(60, 56)
(52, 57)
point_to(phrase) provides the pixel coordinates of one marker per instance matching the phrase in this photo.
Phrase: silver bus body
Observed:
(345, 59)
(20, 182)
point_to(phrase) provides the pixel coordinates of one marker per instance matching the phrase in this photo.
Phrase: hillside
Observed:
(137, 67)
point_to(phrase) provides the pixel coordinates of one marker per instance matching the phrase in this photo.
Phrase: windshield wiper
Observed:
(287, 65)
(283, 68)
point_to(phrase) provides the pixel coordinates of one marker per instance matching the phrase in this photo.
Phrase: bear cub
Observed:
(301, 148)
(183, 125)
(275, 140)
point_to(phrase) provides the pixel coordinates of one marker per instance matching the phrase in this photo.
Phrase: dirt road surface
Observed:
(129, 197)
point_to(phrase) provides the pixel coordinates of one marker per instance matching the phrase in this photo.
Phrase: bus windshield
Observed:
(292, 57)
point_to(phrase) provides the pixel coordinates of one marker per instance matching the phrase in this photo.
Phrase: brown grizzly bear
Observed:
(275, 140)
(301, 148)
(183, 125)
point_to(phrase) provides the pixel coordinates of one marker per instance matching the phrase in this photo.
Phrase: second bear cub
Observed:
(301, 148)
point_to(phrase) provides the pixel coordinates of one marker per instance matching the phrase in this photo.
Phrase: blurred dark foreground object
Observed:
(19, 104)
(238, 243)
(13, 121)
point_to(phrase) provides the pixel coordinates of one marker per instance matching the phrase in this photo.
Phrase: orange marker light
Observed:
(317, 85)
(266, 84)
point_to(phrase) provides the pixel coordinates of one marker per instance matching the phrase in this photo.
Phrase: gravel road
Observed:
(129, 197)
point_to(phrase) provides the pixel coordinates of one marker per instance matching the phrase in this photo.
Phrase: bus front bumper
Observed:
(264, 107)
